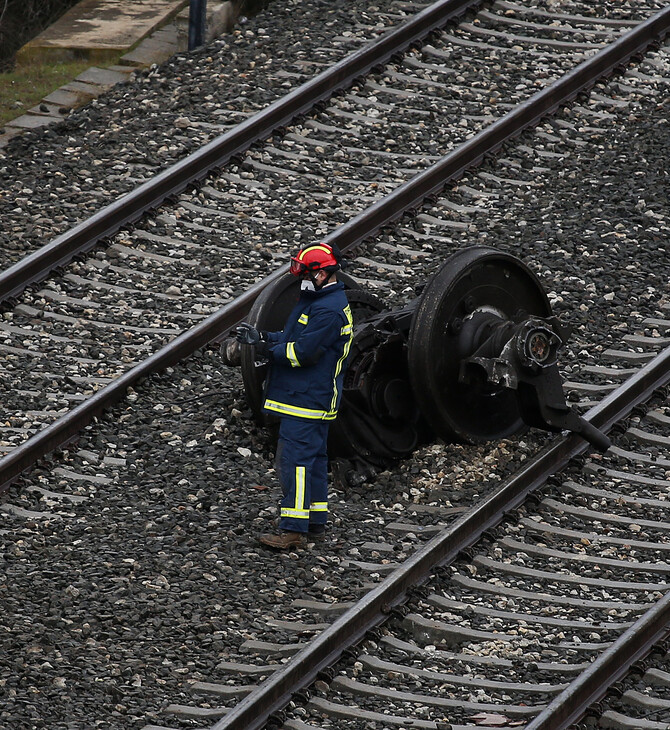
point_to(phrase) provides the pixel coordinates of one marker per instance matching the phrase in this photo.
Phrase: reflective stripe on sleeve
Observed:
(345, 353)
(318, 507)
(291, 356)
(303, 319)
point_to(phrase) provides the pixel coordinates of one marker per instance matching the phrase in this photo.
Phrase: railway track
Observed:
(87, 473)
(520, 614)
(173, 526)
(112, 309)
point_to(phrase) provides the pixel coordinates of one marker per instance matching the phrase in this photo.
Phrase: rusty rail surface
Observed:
(406, 197)
(254, 711)
(219, 151)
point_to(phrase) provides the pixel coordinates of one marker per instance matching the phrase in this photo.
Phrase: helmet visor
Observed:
(298, 268)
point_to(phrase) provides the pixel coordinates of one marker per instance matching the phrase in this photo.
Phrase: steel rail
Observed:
(68, 426)
(653, 626)
(490, 139)
(270, 697)
(220, 150)
(406, 197)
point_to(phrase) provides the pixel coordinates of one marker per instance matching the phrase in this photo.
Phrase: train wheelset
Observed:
(472, 359)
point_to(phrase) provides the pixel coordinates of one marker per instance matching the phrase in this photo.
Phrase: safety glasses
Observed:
(297, 267)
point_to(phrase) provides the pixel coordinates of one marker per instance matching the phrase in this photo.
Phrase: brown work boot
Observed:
(283, 539)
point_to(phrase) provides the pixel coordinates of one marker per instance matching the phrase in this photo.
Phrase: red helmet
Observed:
(313, 258)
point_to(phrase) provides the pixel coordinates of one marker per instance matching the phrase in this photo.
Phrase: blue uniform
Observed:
(304, 387)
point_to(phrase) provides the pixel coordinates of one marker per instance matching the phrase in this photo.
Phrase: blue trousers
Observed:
(302, 464)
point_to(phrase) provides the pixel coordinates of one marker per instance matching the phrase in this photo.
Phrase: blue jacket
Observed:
(308, 358)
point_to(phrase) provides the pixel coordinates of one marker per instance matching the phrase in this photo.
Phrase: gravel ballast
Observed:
(116, 606)
(147, 574)
(141, 127)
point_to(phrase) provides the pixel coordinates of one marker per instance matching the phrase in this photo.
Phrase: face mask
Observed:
(306, 285)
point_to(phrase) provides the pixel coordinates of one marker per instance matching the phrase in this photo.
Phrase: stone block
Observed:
(146, 56)
(30, 121)
(95, 28)
(84, 91)
(221, 18)
(63, 98)
(47, 110)
(101, 77)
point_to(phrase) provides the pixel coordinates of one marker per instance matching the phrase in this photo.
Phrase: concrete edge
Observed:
(161, 44)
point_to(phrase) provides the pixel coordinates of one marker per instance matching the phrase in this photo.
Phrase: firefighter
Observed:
(304, 387)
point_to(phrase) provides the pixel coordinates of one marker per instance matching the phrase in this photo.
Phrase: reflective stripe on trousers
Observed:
(302, 466)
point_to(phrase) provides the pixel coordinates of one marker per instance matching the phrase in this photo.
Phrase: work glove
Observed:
(246, 334)
(231, 352)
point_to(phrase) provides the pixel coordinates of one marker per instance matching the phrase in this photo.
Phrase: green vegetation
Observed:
(27, 85)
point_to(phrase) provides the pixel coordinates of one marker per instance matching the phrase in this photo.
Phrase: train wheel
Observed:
(475, 287)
